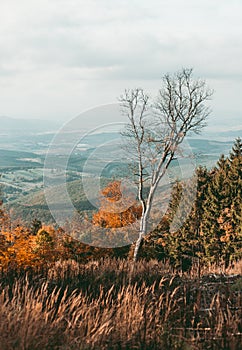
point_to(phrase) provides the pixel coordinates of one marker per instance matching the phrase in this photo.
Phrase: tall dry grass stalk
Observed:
(106, 305)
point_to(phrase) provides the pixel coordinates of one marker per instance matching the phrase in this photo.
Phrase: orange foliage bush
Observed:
(22, 247)
(116, 209)
(18, 248)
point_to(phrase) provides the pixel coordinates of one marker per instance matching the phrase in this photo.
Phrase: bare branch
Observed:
(155, 131)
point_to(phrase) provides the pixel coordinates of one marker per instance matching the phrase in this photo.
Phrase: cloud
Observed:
(52, 47)
(128, 39)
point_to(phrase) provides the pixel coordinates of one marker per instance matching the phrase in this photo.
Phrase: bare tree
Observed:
(155, 131)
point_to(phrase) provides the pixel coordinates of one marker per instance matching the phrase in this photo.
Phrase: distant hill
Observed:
(34, 204)
(231, 133)
(18, 159)
(209, 147)
(205, 151)
(224, 135)
(16, 125)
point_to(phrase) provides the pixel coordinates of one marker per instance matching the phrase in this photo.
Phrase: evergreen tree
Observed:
(236, 149)
(214, 203)
(212, 232)
(185, 243)
(35, 226)
(232, 219)
(221, 225)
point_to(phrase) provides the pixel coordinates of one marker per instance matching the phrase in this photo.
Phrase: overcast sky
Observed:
(60, 57)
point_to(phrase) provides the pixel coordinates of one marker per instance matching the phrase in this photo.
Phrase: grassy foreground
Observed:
(111, 304)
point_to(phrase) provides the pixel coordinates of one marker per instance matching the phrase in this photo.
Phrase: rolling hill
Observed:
(33, 204)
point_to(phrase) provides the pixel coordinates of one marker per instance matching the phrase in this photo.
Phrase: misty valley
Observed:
(22, 160)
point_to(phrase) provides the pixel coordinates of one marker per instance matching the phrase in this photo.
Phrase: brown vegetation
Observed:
(112, 304)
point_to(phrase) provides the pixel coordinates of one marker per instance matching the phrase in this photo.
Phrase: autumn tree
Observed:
(157, 128)
(115, 210)
(18, 251)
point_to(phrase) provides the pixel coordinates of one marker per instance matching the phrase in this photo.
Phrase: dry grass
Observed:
(108, 304)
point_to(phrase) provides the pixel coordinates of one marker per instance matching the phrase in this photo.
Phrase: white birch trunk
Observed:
(143, 224)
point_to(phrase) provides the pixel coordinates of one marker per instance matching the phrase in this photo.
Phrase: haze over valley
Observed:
(24, 145)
